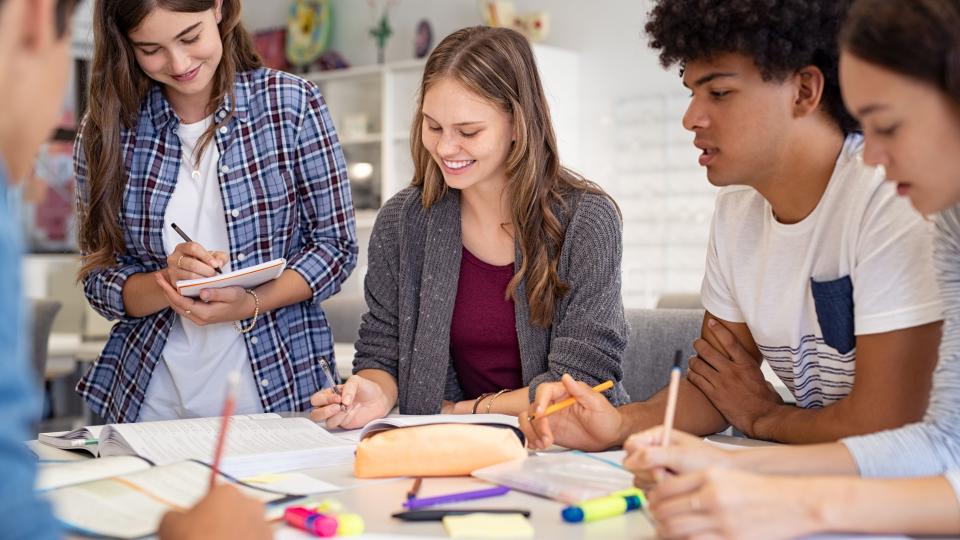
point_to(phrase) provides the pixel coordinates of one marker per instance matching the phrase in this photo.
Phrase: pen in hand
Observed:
(233, 380)
(337, 388)
(187, 239)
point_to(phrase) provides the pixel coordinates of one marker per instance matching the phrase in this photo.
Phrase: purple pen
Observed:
(424, 502)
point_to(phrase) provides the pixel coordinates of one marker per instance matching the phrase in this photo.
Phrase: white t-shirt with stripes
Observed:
(860, 263)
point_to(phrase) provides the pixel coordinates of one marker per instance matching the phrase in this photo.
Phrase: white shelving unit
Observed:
(373, 106)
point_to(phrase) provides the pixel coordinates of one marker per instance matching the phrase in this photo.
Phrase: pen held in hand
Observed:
(233, 380)
(187, 239)
(560, 405)
(672, 394)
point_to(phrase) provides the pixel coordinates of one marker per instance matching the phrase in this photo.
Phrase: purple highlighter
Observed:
(424, 502)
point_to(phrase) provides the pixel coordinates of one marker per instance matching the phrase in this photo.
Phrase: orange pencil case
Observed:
(436, 450)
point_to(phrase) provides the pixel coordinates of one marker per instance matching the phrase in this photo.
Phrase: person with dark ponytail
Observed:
(900, 76)
(184, 126)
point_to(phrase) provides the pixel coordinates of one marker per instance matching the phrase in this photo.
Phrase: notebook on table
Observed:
(244, 277)
(259, 443)
(126, 497)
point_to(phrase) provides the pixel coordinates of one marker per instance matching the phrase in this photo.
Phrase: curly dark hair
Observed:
(781, 36)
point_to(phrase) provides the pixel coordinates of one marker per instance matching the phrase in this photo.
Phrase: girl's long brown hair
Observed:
(118, 88)
(916, 38)
(498, 65)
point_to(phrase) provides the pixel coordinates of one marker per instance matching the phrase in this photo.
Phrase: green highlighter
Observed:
(614, 504)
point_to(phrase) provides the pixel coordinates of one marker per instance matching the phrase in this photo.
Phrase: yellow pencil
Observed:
(560, 405)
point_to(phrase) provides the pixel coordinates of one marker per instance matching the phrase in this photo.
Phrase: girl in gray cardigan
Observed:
(498, 269)
(901, 78)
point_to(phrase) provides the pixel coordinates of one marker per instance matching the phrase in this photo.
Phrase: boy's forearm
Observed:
(695, 414)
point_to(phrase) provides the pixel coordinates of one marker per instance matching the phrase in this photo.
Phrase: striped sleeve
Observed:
(930, 447)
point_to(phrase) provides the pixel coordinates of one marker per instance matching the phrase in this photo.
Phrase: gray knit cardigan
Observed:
(411, 286)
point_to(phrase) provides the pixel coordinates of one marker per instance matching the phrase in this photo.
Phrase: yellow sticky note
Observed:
(264, 478)
(488, 526)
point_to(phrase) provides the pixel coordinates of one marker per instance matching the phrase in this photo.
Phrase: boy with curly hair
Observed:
(814, 264)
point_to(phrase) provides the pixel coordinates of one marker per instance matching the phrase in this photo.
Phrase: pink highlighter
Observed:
(314, 523)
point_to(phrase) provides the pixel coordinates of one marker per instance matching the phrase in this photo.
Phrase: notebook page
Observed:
(176, 440)
(132, 506)
(247, 278)
(66, 474)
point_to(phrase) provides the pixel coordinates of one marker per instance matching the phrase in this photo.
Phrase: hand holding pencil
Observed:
(589, 422)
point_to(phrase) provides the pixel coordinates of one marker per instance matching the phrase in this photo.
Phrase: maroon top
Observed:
(483, 333)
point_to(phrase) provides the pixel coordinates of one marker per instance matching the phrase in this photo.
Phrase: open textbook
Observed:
(244, 277)
(259, 443)
(129, 503)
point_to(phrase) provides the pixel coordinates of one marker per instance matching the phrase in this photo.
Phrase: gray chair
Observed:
(42, 313)
(655, 334)
(679, 301)
(344, 311)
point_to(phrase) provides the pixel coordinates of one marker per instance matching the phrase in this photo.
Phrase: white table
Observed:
(376, 500)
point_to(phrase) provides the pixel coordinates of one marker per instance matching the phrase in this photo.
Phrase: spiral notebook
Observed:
(244, 277)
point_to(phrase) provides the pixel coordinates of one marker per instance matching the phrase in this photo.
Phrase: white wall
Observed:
(631, 139)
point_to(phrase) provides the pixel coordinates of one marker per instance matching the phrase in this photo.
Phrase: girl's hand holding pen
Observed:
(191, 261)
(350, 405)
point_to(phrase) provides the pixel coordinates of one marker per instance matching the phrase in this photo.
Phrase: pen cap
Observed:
(322, 525)
(310, 521)
(599, 508)
(637, 493)
(349, 525)
(297, 516)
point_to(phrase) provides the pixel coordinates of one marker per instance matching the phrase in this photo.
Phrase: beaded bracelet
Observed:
(256, 313)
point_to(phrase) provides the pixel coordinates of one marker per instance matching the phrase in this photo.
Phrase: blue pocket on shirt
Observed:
(833, 301)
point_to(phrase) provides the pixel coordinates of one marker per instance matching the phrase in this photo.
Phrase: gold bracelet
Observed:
(495, 396)
(256, 313)
(478, 400)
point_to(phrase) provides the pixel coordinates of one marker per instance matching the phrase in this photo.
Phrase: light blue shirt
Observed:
(932, 446)
(22, 514)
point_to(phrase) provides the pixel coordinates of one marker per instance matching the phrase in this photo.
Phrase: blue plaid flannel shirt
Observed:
(285, 193)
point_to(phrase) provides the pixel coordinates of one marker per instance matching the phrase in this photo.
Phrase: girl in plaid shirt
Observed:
(185, 126)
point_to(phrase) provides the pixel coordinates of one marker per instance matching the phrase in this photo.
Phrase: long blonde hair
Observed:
(498, 65)
(118, 88)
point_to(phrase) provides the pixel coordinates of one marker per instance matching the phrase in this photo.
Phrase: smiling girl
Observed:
(186, 127)
(498, 268)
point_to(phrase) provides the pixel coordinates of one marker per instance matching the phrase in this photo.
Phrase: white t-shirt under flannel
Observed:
(191, 379)
(860, 263)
